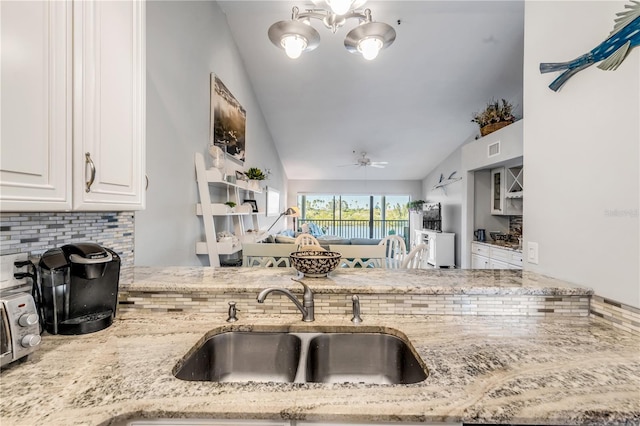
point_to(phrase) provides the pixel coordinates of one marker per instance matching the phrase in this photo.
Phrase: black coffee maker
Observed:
(79, 288)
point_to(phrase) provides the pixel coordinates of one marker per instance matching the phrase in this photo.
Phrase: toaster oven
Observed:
(19, 327)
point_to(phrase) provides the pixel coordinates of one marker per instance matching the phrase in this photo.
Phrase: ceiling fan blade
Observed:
(348, 165)
(380, 163)
(377, 166)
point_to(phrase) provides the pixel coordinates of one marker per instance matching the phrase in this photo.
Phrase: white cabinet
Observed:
(210, 210)
(487, 256)
(441, 246)
(109, 105)
(73, 82)
(507, 190)
(35, 109)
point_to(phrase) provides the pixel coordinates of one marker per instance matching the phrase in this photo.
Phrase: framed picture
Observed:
(228, 121)
(273, 201)
(254, 205)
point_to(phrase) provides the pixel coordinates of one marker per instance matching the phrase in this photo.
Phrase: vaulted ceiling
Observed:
(410, 107)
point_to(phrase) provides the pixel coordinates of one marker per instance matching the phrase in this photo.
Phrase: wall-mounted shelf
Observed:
(208, 210)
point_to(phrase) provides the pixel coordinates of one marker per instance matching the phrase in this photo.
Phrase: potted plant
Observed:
(494, 117)
(254, 175)
(416, 205)
(231, 205)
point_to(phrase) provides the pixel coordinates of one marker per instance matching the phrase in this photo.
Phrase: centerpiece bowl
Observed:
(315, 263)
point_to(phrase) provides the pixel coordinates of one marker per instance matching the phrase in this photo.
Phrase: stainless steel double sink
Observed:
(302, 357)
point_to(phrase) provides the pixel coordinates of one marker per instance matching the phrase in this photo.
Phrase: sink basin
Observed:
(362, 358)
(243, 357)
(302, 357)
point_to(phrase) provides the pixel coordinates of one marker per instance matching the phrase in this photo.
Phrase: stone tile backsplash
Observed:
(35, 233)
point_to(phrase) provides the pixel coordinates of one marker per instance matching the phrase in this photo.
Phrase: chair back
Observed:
(360, 256)
(306, 240)
(416, 258)
(396, 250)
(267, 255)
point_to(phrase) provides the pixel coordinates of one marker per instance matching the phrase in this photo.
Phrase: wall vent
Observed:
(494, 149)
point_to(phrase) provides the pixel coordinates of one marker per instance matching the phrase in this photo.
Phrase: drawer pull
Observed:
(89, 161)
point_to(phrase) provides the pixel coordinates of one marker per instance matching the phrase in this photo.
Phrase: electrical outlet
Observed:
(532, 253)
(7, 269)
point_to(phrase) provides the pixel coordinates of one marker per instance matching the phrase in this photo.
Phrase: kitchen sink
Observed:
(362, 358)
(303, 357)
(243, 357)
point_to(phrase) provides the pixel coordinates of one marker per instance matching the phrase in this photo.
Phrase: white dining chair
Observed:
(396, 250)
(416, 258)
(306, 240)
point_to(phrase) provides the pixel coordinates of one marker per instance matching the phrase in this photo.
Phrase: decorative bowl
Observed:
(315, 263)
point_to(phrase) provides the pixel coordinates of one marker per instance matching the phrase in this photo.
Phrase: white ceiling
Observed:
(411, 106)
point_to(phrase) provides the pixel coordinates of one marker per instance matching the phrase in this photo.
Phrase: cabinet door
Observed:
(479, 262)
(431, 254)
(497, 191)
(35, 93)
(109, 105)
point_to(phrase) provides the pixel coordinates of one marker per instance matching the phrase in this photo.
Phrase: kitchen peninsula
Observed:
(543, 365)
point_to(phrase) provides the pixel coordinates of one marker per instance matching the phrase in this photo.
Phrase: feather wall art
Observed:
(624, 37)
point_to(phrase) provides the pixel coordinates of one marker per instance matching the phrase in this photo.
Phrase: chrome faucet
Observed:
(307, 299)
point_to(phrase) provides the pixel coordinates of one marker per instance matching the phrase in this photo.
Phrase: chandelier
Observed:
(297, 35)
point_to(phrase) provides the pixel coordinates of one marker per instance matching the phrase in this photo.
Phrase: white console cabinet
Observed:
(441, 247)
(73, 105)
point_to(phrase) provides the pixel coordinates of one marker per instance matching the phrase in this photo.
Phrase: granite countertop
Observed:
(482, 370)
(501, 282)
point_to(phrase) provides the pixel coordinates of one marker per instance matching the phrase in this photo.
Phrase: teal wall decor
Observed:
(624, 37)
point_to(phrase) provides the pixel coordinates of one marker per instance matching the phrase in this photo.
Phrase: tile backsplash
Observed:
(35, 233)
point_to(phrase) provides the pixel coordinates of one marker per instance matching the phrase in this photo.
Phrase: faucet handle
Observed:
(355, 306)
(232, 312)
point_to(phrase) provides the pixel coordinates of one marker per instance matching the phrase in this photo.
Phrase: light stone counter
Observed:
(363, 281)
(482, 370)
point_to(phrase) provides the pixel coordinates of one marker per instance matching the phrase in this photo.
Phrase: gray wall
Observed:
(186, 41)
(581, 153)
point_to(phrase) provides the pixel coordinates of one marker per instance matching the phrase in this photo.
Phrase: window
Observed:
(355, 216)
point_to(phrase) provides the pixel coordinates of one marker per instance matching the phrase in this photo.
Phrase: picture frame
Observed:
(228, 121)
(273, 202)
(254, 205)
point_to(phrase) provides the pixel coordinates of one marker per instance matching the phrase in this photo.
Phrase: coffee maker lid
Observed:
(87, 253)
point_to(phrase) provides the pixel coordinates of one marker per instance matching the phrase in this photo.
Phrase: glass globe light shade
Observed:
(293, 45)
(370, 47)
(340, 7)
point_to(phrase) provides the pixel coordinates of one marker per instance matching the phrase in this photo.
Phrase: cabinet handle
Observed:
(146, 187)
(89, 161)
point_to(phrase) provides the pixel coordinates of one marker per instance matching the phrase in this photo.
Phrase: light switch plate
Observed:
(532, 253)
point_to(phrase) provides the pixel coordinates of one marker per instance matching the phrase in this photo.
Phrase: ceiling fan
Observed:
(364, 161)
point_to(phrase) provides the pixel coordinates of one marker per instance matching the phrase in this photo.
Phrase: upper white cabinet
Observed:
(507, 190)
(35, 109)
(109, 89)
(73, 106)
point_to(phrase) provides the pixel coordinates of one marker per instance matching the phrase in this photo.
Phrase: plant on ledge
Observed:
(255, 173)
(416, 205)
(230, 204)
(495, 116)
